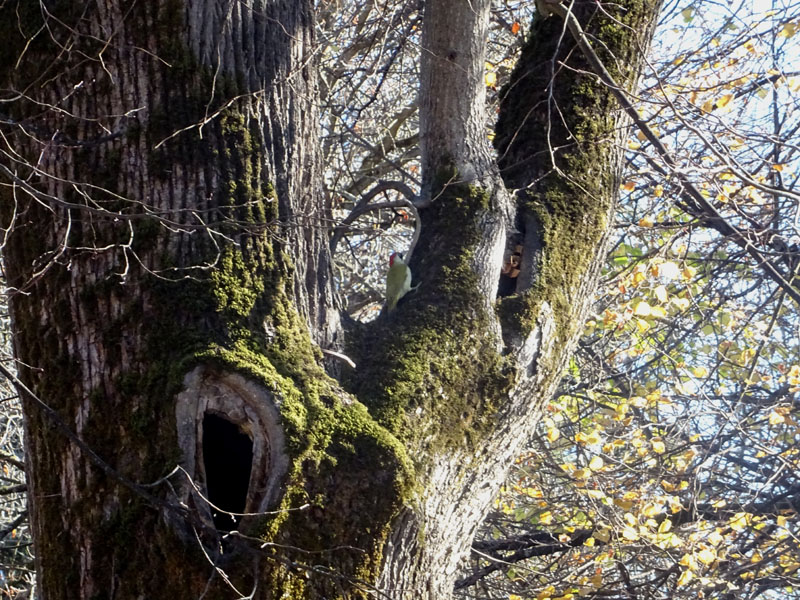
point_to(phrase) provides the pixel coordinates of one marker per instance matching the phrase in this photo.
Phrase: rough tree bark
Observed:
(166, 260)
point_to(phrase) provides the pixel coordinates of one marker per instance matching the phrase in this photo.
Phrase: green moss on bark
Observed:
(433, 375)
(565, 210)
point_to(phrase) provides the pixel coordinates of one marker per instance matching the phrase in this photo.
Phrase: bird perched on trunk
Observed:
(398, 280)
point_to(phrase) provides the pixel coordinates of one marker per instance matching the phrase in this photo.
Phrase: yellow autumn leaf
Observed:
(491, 79)
(658, 446)
(602, 535)
(681, 303)
(594, 437)
(596, 463)
(553, 434)
(724, 101)
(739, 521)
(789, 563)
(658, 191)
(653, 396)
(630, 534)
(706, 556)
(715, 537)
(700, 372)
(546, 593)
(623, 504)
(546, 517)
(651, 509)
(778, 167)
(629, 186)
(775, 418)
(665, 526)
(661, 293)
(685, 578)
(788, 30)
(642, 309)
(730, 189)
(689, 561)
(658, 312)
(646, 222)
(582, 474)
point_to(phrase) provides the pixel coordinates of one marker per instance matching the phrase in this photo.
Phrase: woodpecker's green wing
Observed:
(398, 282)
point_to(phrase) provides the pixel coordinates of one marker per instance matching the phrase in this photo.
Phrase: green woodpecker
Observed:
(398, 280)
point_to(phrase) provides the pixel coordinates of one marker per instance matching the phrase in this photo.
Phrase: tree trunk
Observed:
(170, 284)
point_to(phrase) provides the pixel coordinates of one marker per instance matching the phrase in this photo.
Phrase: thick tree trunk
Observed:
(167, 231)
(169, 277)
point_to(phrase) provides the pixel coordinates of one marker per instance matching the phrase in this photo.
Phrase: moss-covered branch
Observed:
(563, 154)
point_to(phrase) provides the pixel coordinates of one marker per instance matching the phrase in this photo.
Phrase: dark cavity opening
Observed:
(228, 458)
